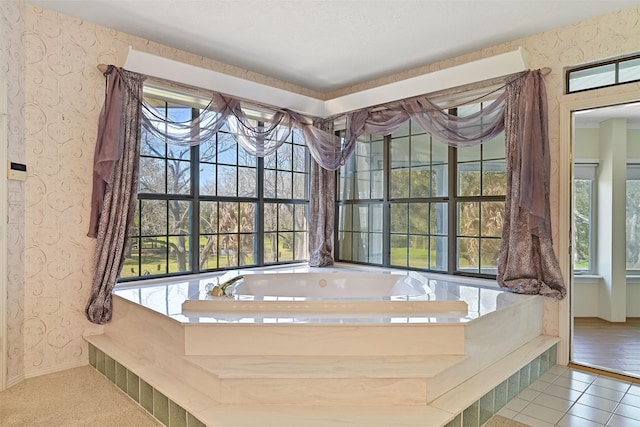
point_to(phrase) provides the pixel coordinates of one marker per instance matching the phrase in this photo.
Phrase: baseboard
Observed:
(56, 368)
(15, 380)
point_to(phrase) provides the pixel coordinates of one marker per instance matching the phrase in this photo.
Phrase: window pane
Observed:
(228, 253)
(208, 217)
(152, 176)
(582, 223)
(228, 217)
(375, 223)
(419, 252)
(300, 246)
(207, 179)
(207, 151)
(492, 219)
(285, 217)
(592, 77)
(208, 252)
(629, 70)
(247, 182)
(300, 217)
(151, 145)
(300, 186)
(227, 149)
(153, 217)
(246, 249)
(285, 246)
(399, 250)
(247, 217)
(284, 189)
(178, 177)
(469, 179)
(438, 219)
(419, 218)
(227, 181)
(270, 217)
(421, 182)
(468, 255)
(153, 255)
(468, 219)
(132, 257)
(178, 254)
(440, 180)
(270, 247)
(439, 251)
(375, 248)
(179, 217)
(490, 249)
(269, 182)
(399, 153)
(494, 178)
(399, 218)
(633, 224)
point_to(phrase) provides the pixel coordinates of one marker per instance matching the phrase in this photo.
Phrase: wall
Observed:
(63, 95)
(12, 69)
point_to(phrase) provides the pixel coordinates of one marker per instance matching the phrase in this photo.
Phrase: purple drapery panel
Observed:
(322, 205)
(116, 162)
(106, 152)
(527, 263)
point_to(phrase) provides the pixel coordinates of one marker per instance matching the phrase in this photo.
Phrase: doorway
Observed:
(605, 237)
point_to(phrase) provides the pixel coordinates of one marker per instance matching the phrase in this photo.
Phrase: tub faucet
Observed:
(220, 290)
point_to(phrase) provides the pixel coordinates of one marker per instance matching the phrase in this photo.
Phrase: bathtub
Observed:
(333, 291)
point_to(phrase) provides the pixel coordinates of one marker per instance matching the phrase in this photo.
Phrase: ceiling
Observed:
(592, 118)
(326, 45)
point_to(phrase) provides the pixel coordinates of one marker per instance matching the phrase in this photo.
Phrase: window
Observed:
(633, 219)
(407, 200)
(603, 74)
(584, 218)
(215, 206)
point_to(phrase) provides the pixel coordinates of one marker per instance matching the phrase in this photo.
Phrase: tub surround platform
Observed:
(405, 366)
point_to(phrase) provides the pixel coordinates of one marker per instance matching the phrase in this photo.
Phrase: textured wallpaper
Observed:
(64, 93)
(12, 69)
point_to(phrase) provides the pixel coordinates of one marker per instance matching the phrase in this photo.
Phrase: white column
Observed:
(611, 217)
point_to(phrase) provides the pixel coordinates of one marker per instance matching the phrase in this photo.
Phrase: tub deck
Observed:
(325, 367)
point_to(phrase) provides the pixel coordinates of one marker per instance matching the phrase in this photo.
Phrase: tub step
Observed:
(326, 381)
(327, 338)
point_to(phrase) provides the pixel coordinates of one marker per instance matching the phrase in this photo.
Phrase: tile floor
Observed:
(568, 397)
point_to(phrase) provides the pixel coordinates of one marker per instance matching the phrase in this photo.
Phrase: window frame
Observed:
(195, 196)
(451, 200)
(587, 172)
(614, 61)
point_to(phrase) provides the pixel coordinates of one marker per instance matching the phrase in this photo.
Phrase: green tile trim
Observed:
(92, 355)
(500, 396)
(110, 368)
(161, 407)
(100, 361)
(146, 396)
(471, 415)
(481, 410)
(121, 377)
(456, 422)
(193, 421)
(487, 406)
(133, 386)
(177, 415)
